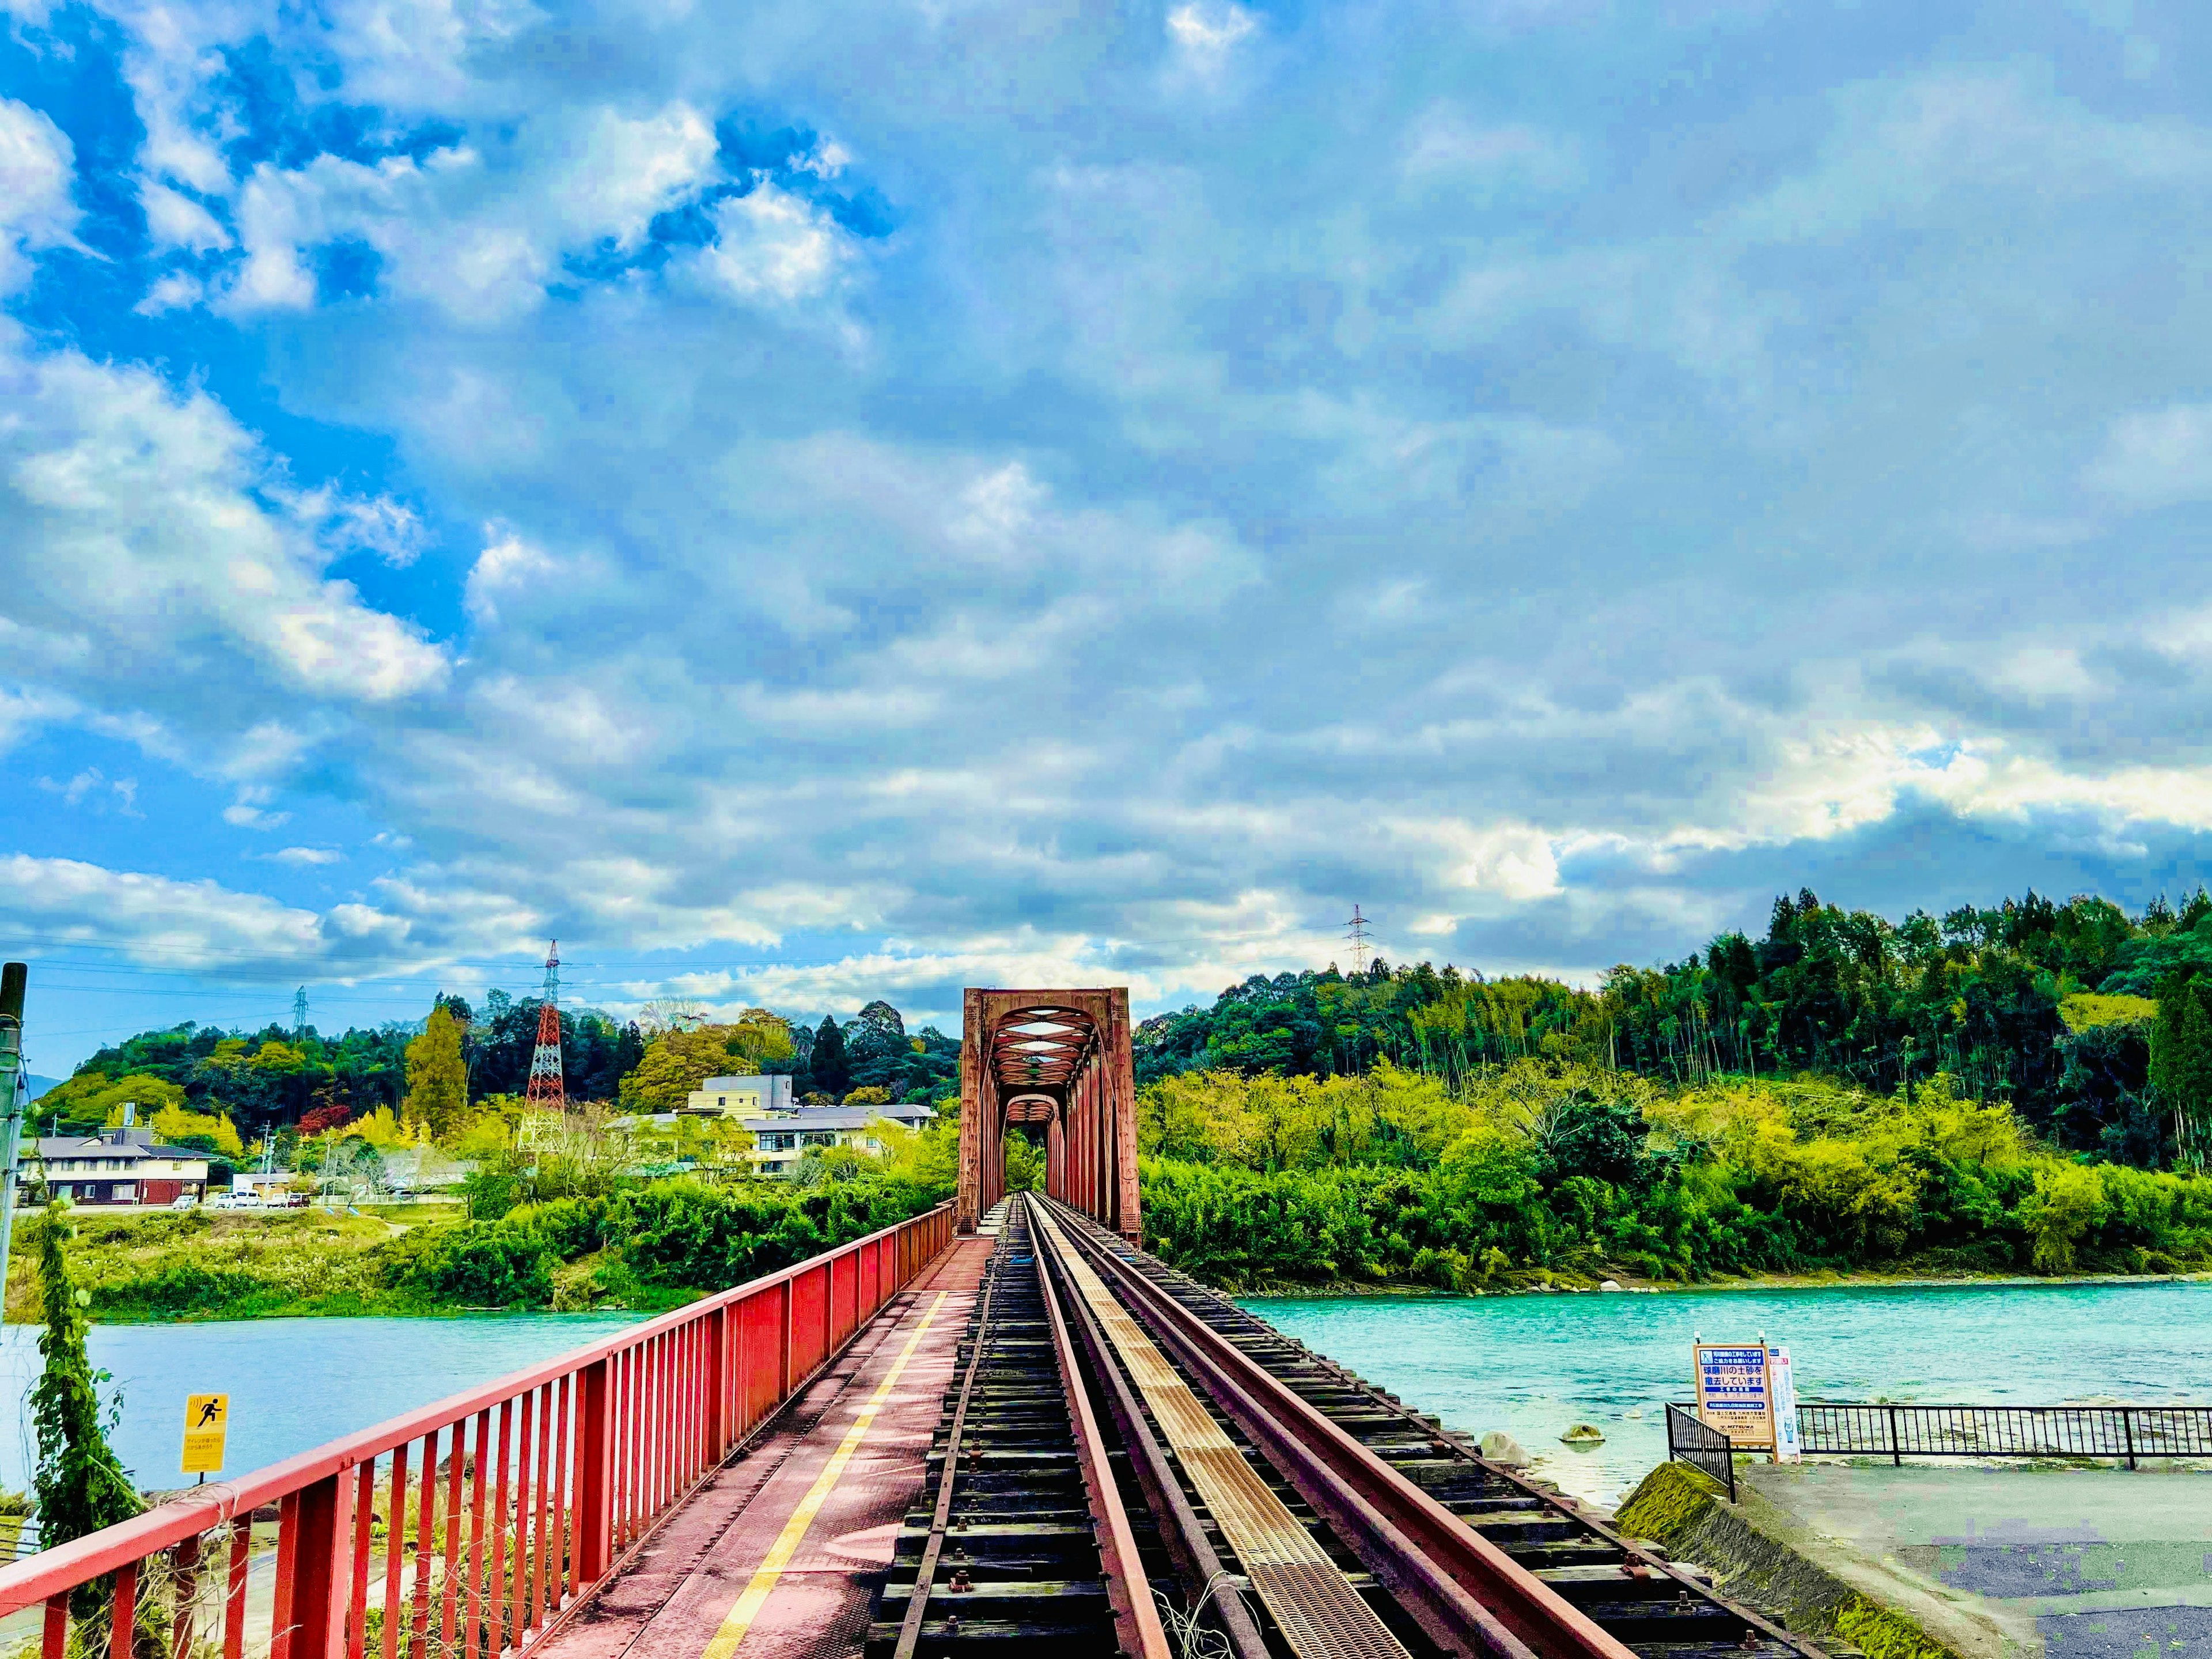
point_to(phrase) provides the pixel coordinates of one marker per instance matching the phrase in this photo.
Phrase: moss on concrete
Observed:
(1882, 1634)
(1672, 1496)
(1680, 1509)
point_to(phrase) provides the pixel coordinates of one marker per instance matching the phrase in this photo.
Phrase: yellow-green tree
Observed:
(437, 1076)
(675, 1063)
(759, 1035)
(174, 1125)
(88, 1099)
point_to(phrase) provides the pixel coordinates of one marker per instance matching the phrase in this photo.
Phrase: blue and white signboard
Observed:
(1787, 1448)
(1735, 1393)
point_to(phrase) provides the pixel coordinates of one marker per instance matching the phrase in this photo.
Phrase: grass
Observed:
(235, 1264)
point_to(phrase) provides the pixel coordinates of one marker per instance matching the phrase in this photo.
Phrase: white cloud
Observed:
(37, 171)
(176, 291)
(772, 246)
(180, 924)
(151, 570)
(1207, 31)
(391, 530)
(627, 171)
(307, 857)
(140, 501)
(2156, 457)
(174, 220)
(504, 570)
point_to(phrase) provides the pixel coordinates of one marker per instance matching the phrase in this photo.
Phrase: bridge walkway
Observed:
(782, 1548)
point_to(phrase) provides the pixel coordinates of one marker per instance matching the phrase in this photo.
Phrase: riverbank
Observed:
(155, 1266)
(1569, 1283)
(1533, 1366)
(643, 1249)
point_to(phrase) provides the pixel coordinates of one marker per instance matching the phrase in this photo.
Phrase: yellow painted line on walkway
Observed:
(794, 1530)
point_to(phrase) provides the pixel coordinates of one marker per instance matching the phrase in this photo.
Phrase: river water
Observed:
(1532, 1365)
(1535, 1366)
(293, 1383)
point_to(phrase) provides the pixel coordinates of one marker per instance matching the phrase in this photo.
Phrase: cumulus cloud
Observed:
(503, 569)
(772, 246)
(37, 171)
(187, 924)
(139, 504)
(1545, 527)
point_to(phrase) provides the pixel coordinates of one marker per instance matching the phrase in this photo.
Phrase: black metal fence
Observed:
(2128, 1432)
(1692, 1441)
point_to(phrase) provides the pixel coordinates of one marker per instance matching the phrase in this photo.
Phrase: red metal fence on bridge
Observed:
(466, 1529)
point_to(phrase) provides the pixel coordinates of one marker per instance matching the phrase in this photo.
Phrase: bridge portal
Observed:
(1060, 1060)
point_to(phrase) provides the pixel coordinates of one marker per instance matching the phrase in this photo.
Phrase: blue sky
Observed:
(807, 504)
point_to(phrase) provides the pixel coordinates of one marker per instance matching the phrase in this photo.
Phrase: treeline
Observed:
(644, 1246)
(271, 1078)
(2050, 1008)
(1550, 1171)
(273, 1082)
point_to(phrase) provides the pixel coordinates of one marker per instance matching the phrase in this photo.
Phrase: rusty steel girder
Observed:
(1061, 1060)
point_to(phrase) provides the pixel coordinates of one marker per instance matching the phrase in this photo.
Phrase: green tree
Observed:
(437, 1076)
(760, 1035)
(1024, 1164)
(676, 1062)
(2181, 1059)
(81, 1486)
(832, 1072)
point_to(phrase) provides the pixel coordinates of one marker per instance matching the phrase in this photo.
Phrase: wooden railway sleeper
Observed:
(1195, 1297)
(1186, 1539)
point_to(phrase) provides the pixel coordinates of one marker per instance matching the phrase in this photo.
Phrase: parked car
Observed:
(184, 1201)
(242, 1201)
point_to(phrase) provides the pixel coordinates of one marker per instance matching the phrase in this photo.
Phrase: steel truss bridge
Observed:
(999, 1427)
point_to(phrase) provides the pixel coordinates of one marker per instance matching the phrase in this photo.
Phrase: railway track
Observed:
(1130, 1462)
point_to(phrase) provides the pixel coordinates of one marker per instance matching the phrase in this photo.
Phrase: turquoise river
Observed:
(1531, 1365)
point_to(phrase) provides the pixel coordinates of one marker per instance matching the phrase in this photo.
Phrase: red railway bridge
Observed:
(1059, 1060)
(998, 1427)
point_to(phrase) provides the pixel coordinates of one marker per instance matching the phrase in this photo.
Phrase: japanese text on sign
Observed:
(207, 1423)
(1735, 1392)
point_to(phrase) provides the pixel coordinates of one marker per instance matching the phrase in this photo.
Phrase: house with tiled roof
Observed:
(114, 1167)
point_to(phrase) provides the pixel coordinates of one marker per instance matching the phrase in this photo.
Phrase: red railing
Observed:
(467, 1529)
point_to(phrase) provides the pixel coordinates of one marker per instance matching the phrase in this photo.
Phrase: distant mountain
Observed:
(40, 1084)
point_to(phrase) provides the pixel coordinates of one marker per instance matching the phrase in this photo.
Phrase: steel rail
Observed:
(1457, 1584)
(1181, 1533)
(924, 1578)
(1644, 1561)
(1136, 1620)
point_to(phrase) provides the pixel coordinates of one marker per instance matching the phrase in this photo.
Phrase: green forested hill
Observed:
(2047, 1007)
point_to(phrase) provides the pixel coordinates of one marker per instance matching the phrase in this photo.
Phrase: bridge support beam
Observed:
(1061, 1061)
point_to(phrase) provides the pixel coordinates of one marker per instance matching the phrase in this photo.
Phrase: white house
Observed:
(741, 1096)
(779, 1141)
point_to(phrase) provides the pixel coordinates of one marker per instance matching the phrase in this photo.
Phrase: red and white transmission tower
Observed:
(546, 1090)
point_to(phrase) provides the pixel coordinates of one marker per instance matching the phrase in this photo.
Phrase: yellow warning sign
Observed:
(207, 1420)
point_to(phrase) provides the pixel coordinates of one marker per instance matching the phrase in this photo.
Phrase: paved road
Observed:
(2016, 1563)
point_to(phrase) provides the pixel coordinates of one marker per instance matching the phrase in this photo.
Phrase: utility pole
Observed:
(1355, 935)
(14, 1099)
